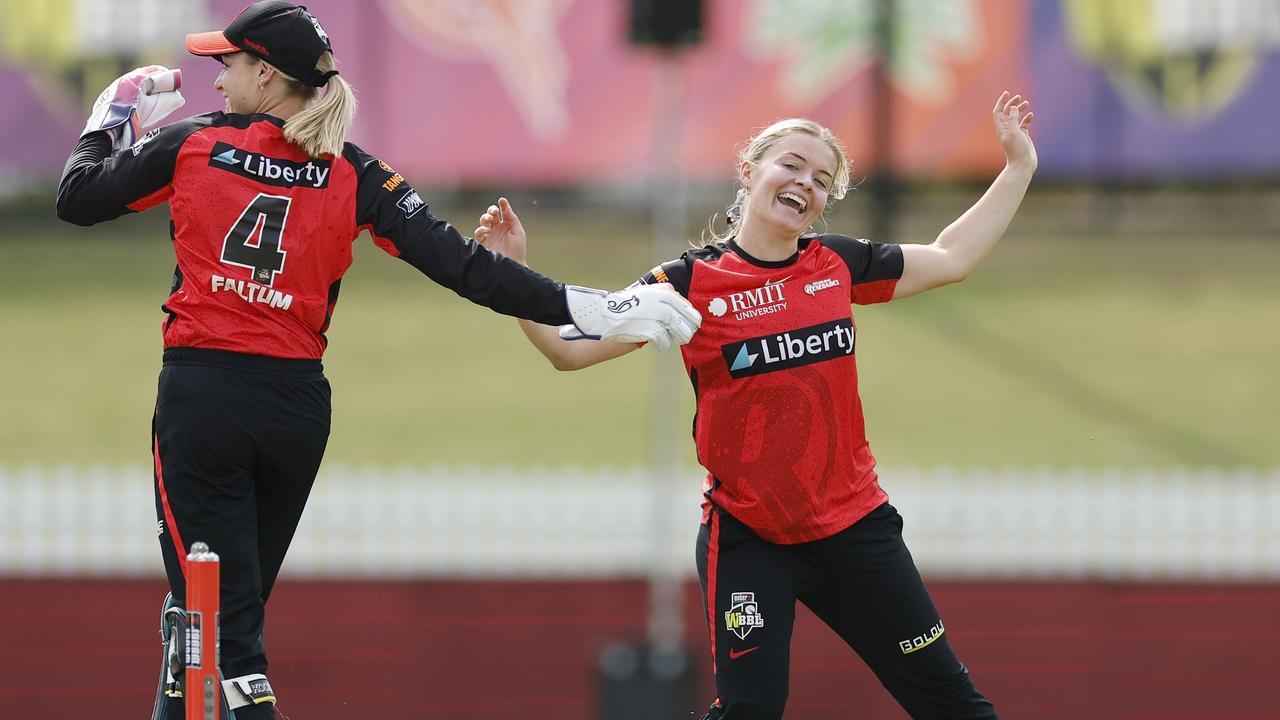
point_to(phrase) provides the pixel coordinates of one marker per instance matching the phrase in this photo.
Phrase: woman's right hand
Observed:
(135, 102)
(500, 231)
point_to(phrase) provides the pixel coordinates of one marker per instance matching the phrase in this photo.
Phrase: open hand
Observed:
(500, 231)
(1013, 118)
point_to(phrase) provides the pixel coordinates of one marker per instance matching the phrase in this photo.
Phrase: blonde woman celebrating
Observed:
(792, 509)
(266, 199)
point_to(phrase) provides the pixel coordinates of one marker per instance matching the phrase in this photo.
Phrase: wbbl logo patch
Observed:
(743, 615)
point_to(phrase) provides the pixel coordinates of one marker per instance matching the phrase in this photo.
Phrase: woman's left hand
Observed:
(500, 231)
(1013, 118)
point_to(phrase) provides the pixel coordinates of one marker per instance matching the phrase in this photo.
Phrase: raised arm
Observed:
(101, 181)
(964, 243)
(500, 230)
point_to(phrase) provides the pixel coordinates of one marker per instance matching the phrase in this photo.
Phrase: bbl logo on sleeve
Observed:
(411, 203)
(743, 615)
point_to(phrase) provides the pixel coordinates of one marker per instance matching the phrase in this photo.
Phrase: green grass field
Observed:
(1060, 352)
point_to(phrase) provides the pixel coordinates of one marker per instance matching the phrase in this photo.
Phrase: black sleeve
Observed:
(868, 261)
(678, 272)
(402, 224)
(99, 185)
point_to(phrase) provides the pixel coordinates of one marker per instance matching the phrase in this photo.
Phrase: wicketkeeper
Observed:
(266, 199)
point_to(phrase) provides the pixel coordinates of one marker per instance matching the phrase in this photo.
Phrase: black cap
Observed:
(283, 34)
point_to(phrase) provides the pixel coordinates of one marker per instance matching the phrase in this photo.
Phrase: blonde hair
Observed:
(321, 128)
(760, 145)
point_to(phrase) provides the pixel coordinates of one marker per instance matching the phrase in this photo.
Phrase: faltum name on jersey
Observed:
(252, 292)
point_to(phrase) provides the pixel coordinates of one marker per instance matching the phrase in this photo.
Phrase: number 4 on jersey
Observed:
(254, 241)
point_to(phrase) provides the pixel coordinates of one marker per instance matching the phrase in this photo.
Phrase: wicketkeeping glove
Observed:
(643, 313)
(134, 102)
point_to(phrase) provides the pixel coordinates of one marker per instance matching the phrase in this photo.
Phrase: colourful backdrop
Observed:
(549, 92)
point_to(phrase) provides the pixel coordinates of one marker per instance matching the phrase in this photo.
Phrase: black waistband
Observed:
(242, 361)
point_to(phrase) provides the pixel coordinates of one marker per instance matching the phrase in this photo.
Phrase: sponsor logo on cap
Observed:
(257, 47)
(319, 30)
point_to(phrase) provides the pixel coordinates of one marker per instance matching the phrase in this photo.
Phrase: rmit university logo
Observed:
(743, 615)
(764, 300)
(793, 348)
(268, 170)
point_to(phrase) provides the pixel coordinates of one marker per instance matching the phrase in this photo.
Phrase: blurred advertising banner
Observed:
(546, 92)
(1157, 88)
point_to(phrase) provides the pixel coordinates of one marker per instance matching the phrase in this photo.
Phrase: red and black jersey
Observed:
(779, 424)
(263, 233)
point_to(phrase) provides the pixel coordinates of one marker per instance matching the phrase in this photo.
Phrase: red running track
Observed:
(527, 650)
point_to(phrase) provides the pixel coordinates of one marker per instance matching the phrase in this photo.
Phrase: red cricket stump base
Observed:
(203, 641)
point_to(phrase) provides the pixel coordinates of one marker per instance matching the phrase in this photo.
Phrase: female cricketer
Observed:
(792, 508)
(266, 199)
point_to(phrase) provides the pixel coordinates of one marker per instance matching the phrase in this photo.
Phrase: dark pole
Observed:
(884, 189)
(652, 678)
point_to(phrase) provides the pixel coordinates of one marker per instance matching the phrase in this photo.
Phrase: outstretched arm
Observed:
(403, 226)
(965, 242)
(500, 230)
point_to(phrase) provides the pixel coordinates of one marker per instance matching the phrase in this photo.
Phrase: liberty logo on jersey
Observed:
(764, 300)
(268, 170)
(793, 348)
(743, 615)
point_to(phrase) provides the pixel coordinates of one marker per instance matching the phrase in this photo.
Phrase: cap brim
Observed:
(210, 43)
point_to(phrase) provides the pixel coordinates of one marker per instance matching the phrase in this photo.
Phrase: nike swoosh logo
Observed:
(735, 654)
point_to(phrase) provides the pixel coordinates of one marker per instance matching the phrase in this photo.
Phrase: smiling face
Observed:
(787, 188)
(238, 82)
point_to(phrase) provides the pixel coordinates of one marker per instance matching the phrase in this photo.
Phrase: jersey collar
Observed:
(736, 248)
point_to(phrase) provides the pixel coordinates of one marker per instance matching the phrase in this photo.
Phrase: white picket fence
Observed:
(1014, 523)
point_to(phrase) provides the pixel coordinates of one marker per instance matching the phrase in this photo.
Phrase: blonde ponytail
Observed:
(321, 128)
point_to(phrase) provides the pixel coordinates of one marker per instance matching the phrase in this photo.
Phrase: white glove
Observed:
(134, 102)
(642, 313)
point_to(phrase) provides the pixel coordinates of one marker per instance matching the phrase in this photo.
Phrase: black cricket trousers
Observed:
(861, 582)
(237, 441)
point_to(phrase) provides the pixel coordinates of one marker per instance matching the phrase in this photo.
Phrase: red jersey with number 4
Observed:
(779, 424)
(263, 233)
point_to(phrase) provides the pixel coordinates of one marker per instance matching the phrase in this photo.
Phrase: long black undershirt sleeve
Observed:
(402, 224)
(90, 151)
(100, 184)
